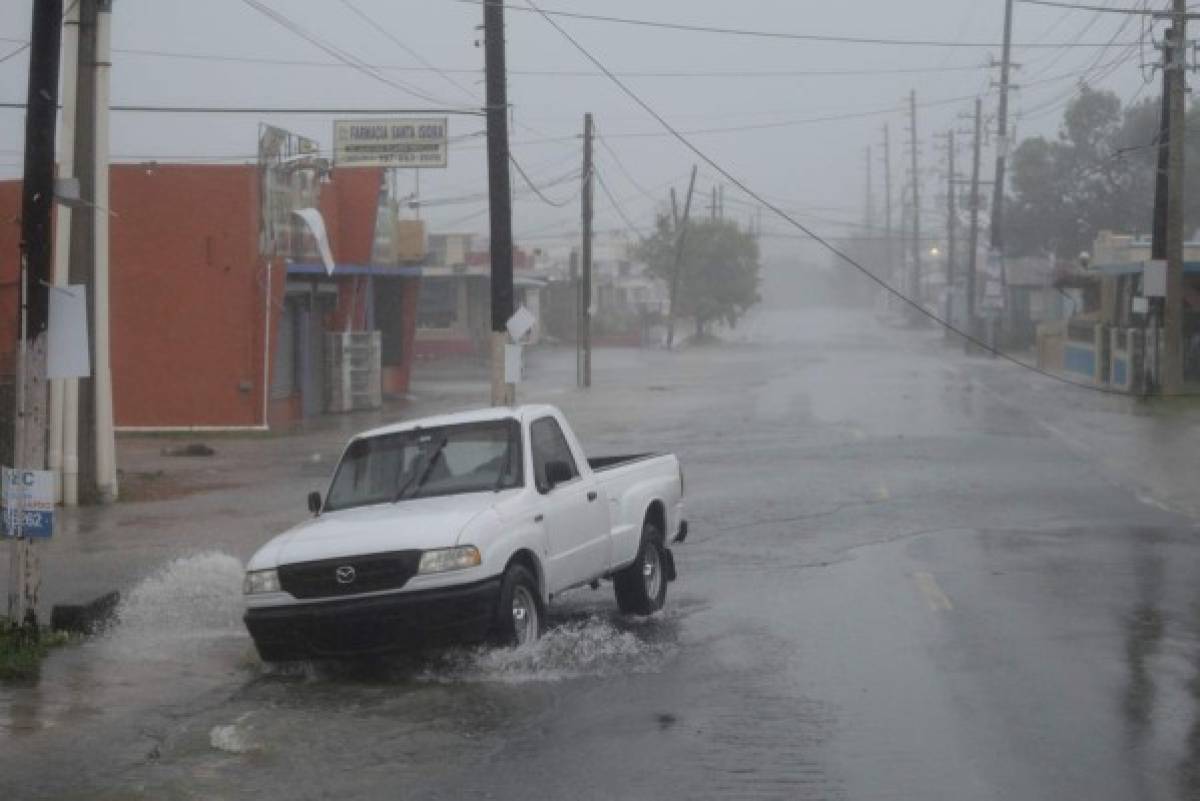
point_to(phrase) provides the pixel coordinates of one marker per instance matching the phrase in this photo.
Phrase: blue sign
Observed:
(37, 524)
(31, 492)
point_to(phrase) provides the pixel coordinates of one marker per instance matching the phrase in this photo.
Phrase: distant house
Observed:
(454, 314)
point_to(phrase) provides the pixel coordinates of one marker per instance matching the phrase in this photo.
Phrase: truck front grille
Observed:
(351, 575)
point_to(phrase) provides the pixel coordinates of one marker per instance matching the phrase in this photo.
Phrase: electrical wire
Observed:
(621, 165)
(633, 229)
(341, 55)
(813, 235)
(529, 182)
(396, 41)
(1081, 7)
(14, 53)
(782, 35)
(151, 109)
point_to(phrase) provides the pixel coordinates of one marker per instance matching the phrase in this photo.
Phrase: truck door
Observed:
(575, 511)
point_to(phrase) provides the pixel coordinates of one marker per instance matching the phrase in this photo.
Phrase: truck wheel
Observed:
(519, 615)
(642, 587)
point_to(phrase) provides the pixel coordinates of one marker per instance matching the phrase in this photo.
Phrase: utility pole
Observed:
(106, 462)
(951, 228)
(997, 248)
(1158, 225)
(915, 269)
(88, 441)
(585, 286)
(680, 239)
(62, 234)
(499, 195)
(889, 243)
(1173, 303)
(868, 200)
(37, 210)
(79, 420)
(973, 256)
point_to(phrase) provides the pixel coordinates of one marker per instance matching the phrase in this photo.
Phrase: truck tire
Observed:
(641, 587)
(520, 618)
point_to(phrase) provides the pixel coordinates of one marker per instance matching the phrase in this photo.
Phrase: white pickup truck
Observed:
(463, 528)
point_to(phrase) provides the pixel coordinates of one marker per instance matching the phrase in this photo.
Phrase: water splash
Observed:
(234, 738)
(190, 598)
(593, 646)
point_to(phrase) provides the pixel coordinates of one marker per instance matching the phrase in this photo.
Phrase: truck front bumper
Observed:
(378, 624)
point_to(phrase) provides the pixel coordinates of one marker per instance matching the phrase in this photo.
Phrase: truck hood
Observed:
(421, 523)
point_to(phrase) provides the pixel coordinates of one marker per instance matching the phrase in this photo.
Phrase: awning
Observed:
(340, 269)
(1136, 267)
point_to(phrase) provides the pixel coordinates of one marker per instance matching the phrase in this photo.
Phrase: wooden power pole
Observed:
(680, 240)
(36, 268)
(973, 236)
(951, 229)
(499, 195)
(914, 278)
(585, 287)
(1173, 303)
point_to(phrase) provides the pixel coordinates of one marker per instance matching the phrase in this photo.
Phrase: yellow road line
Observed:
(937, 600)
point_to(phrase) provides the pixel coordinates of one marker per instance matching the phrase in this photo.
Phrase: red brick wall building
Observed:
(189, 293)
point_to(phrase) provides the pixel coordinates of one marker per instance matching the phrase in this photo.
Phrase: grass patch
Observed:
(21, 655)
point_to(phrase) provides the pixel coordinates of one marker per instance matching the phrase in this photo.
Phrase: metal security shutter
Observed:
(283, 371)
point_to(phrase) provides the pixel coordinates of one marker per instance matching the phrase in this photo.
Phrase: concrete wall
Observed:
(188, 297)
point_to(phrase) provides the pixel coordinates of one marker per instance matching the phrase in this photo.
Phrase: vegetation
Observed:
(719, 278)
(21, 655)
(1098, 174)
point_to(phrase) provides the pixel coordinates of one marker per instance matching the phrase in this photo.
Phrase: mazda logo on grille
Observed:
(344, 574)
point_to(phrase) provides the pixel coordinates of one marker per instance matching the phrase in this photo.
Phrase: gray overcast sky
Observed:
(815, 168)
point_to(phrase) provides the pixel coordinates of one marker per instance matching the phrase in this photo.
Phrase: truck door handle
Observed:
(539, 518)
(591, 496)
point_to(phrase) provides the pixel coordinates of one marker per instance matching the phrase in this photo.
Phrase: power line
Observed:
(617, 207)
(538, 192)
(396, 41)
(836, 251)
(536, 73)
(14, 53)
(1080, 7)
(341, 55)
(145, 109)
(621, 166)
(762, 34)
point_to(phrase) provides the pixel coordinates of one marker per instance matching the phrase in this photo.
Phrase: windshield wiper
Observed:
(417, 480)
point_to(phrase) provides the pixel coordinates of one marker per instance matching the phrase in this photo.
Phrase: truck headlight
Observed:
(444, 559)
(260, 581)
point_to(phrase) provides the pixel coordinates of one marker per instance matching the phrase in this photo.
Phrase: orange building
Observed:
(206, 331)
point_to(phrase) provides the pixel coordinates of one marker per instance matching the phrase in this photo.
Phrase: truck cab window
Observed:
(549, 445)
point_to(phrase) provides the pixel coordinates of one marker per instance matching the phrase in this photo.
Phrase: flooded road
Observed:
(901, 583)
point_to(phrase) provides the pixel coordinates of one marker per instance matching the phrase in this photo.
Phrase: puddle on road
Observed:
(172, 691)
(594, 646)
(579, 645)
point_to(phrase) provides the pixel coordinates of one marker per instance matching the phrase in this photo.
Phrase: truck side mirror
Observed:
(557, 472)
(314, 502)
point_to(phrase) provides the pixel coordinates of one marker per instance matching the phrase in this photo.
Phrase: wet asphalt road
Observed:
(910, 576)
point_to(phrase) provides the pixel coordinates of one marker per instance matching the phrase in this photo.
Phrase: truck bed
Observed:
(602, 463)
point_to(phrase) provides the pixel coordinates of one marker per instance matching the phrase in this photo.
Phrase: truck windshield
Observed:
(446, 460)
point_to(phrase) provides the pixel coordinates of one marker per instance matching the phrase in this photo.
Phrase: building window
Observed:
(438, 305)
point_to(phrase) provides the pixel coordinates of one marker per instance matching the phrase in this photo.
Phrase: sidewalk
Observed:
(252, 487)
(255, 485)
